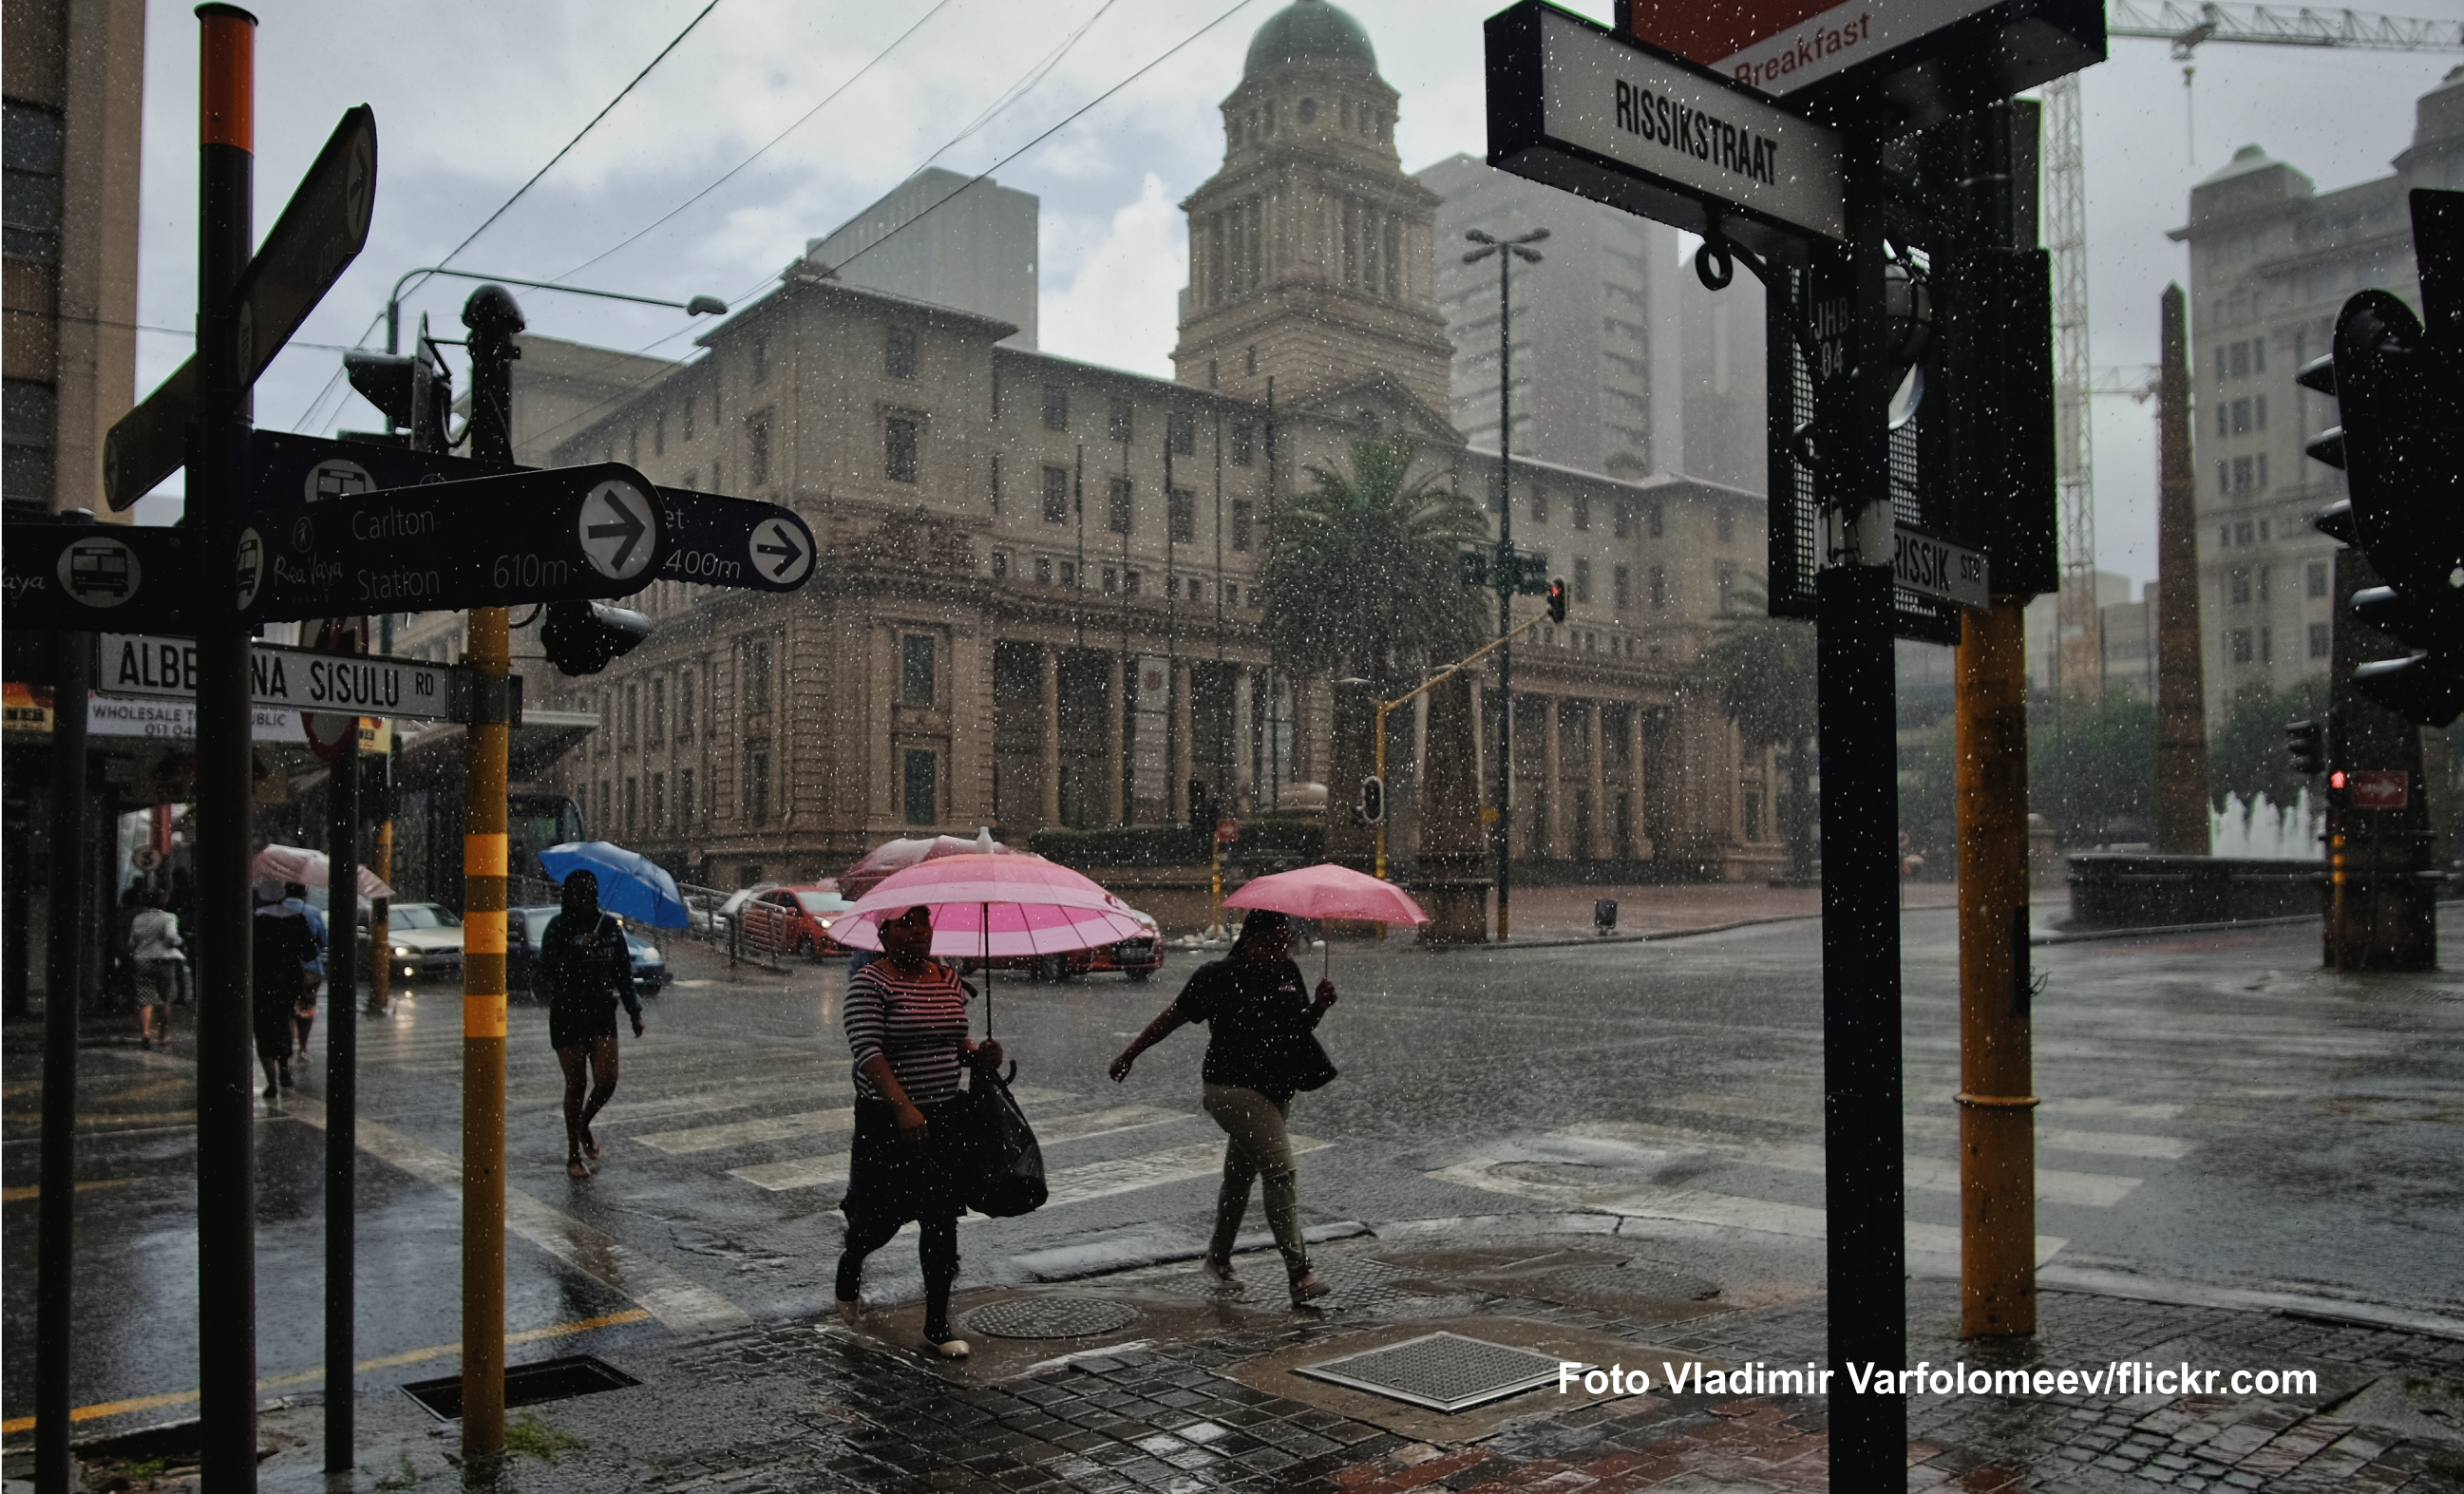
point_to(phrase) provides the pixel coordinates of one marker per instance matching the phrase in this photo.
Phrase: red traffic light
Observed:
(1558, 600)
(2336, 780)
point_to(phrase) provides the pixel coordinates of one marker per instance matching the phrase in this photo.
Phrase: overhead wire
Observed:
(592, 412)
(730, 173)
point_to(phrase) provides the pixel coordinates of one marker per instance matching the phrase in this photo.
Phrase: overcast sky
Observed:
(473, 98)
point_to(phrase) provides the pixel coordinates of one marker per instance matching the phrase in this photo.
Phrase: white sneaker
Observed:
(951, 1349)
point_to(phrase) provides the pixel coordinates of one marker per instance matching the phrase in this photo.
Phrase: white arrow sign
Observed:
(617, 530)
(780, 553)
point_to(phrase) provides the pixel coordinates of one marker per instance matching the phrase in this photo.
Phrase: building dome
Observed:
(1311, 30)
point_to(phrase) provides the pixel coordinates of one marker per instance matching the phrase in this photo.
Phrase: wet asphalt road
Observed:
(2216, 1111)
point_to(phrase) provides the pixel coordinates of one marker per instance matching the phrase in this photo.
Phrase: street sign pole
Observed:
(63, 986)
(492, 319)
(341, 1070)
(225, 1120)
(1855, 705)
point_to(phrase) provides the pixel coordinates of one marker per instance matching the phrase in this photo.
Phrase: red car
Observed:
(795, 920)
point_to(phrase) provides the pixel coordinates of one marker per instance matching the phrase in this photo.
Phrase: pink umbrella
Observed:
(893, 856)
(1002, 904)
(1326, 890)
(310, 869)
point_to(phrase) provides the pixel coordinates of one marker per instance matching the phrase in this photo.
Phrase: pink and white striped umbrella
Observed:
(994, 906)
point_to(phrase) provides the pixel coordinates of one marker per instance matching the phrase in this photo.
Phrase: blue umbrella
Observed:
(630, 885)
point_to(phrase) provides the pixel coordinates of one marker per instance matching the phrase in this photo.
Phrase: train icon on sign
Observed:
(101, 572)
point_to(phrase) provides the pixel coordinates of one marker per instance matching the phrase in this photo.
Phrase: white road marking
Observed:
(685, 1306)
(832, 1168)
(782, 1128)
(1933, 1174)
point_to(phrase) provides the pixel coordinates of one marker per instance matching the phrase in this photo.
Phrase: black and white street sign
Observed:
(285, 469)
(90, 576)
(722, 541)
(1583, 108)
(569, 534)
(323, 229)
(155, 666)
(1938, 569)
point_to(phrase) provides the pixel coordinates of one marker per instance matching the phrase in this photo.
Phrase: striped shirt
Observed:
(917, 1022)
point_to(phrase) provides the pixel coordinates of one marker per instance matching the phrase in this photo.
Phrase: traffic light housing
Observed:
(2307, 742)
(1372, 807)
(415, 390)
(1557, 600)
(583, 637)
(2399, 387)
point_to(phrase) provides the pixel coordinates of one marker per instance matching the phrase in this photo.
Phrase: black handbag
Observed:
(1005, 1165)
(1306, 1065)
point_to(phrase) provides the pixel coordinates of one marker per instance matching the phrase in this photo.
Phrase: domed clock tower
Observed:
(1310, 253)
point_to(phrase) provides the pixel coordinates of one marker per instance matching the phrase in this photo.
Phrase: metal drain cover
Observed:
(1443, 1371)
(1050, 1317)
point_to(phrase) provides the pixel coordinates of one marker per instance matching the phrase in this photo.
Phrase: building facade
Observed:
(1039, 595)
(73, 73)
(2272, 262)
(948, 239)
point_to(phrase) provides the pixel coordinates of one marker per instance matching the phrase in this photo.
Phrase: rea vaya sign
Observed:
(1921, 59)
(1620, 121)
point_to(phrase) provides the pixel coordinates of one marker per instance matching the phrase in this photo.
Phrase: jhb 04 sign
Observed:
(1618, 120)
(570, 534)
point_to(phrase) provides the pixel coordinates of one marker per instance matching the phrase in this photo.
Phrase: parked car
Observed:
(795, 920)
(425, 940)
(1137, 958)
(526, 926)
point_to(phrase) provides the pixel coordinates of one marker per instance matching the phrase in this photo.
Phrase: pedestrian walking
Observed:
(154, 948)
(907, 1029)
(303, 1018)
(1263, 1049)
(282, 948)
(585, 969)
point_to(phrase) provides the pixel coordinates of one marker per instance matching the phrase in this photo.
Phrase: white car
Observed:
(425, 939)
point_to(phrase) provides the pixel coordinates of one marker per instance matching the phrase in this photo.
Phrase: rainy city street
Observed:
(2218, 1117)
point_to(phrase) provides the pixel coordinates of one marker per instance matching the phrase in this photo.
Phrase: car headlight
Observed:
(826, 923)
(649, 955)
(402, 951)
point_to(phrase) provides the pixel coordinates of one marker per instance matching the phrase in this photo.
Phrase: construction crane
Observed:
(2080, 658)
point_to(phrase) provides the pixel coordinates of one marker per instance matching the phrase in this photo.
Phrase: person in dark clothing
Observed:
(281, 949)
(585, 969)
(1260, 1052)
(905, 1021)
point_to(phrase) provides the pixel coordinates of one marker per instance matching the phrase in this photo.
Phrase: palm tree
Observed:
(1762, 669)
(1360, 572)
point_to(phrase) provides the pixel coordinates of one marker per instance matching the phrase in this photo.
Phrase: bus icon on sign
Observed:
(101, 572)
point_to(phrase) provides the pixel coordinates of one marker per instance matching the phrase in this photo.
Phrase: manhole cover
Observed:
(1642, 1279)
(1050, 1317)
(1443, 1371)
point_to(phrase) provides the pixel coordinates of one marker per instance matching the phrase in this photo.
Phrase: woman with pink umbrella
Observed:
(1261, 1052)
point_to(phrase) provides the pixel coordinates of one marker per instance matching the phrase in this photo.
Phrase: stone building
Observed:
(1038, 600)
(2272, 262)
(74, 79)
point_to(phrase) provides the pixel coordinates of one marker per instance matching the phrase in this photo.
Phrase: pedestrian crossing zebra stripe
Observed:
(832, 1168)
(2054, 1185)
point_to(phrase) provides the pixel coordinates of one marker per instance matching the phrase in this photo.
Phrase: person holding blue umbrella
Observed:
(585, 969)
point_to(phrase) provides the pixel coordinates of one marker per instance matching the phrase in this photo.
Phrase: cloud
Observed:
(1122, 307)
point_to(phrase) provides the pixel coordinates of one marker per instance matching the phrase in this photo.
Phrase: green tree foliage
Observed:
(1761, 668)
(1360, 572)
(2092, 767)
(2246, 752)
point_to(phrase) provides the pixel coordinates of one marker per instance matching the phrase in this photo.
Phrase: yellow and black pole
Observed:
(492, 319)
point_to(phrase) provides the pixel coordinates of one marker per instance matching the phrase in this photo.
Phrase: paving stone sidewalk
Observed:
(1192, 1403)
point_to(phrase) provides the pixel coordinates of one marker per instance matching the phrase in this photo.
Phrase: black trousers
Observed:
(889, 1183)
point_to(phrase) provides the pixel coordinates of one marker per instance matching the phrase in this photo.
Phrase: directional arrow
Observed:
(775, 539)
(721, 541)
(625, 527)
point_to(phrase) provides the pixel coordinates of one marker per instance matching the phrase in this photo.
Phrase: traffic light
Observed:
(1471, 567)
(582, 637)
(1372, 807)
(2307, 742)
(1531, 574)
(1557, 600)
(2399, 388)
(415, 390)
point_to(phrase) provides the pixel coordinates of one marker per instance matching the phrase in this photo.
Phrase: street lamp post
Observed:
(699, 306)
(1504, 573)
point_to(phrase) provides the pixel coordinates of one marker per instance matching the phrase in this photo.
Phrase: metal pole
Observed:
(341, 1093)
(1381, 800)
(1997, 1151)
(492, 319)
(64, 989)
(1502, 832)
(1860, 917)
(225, 761)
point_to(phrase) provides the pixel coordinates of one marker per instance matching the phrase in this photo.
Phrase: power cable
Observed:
(731, 171)
(585, 130)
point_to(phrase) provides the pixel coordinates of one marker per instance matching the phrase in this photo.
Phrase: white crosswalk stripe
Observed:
(2095, 1190)
(831, 1170)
